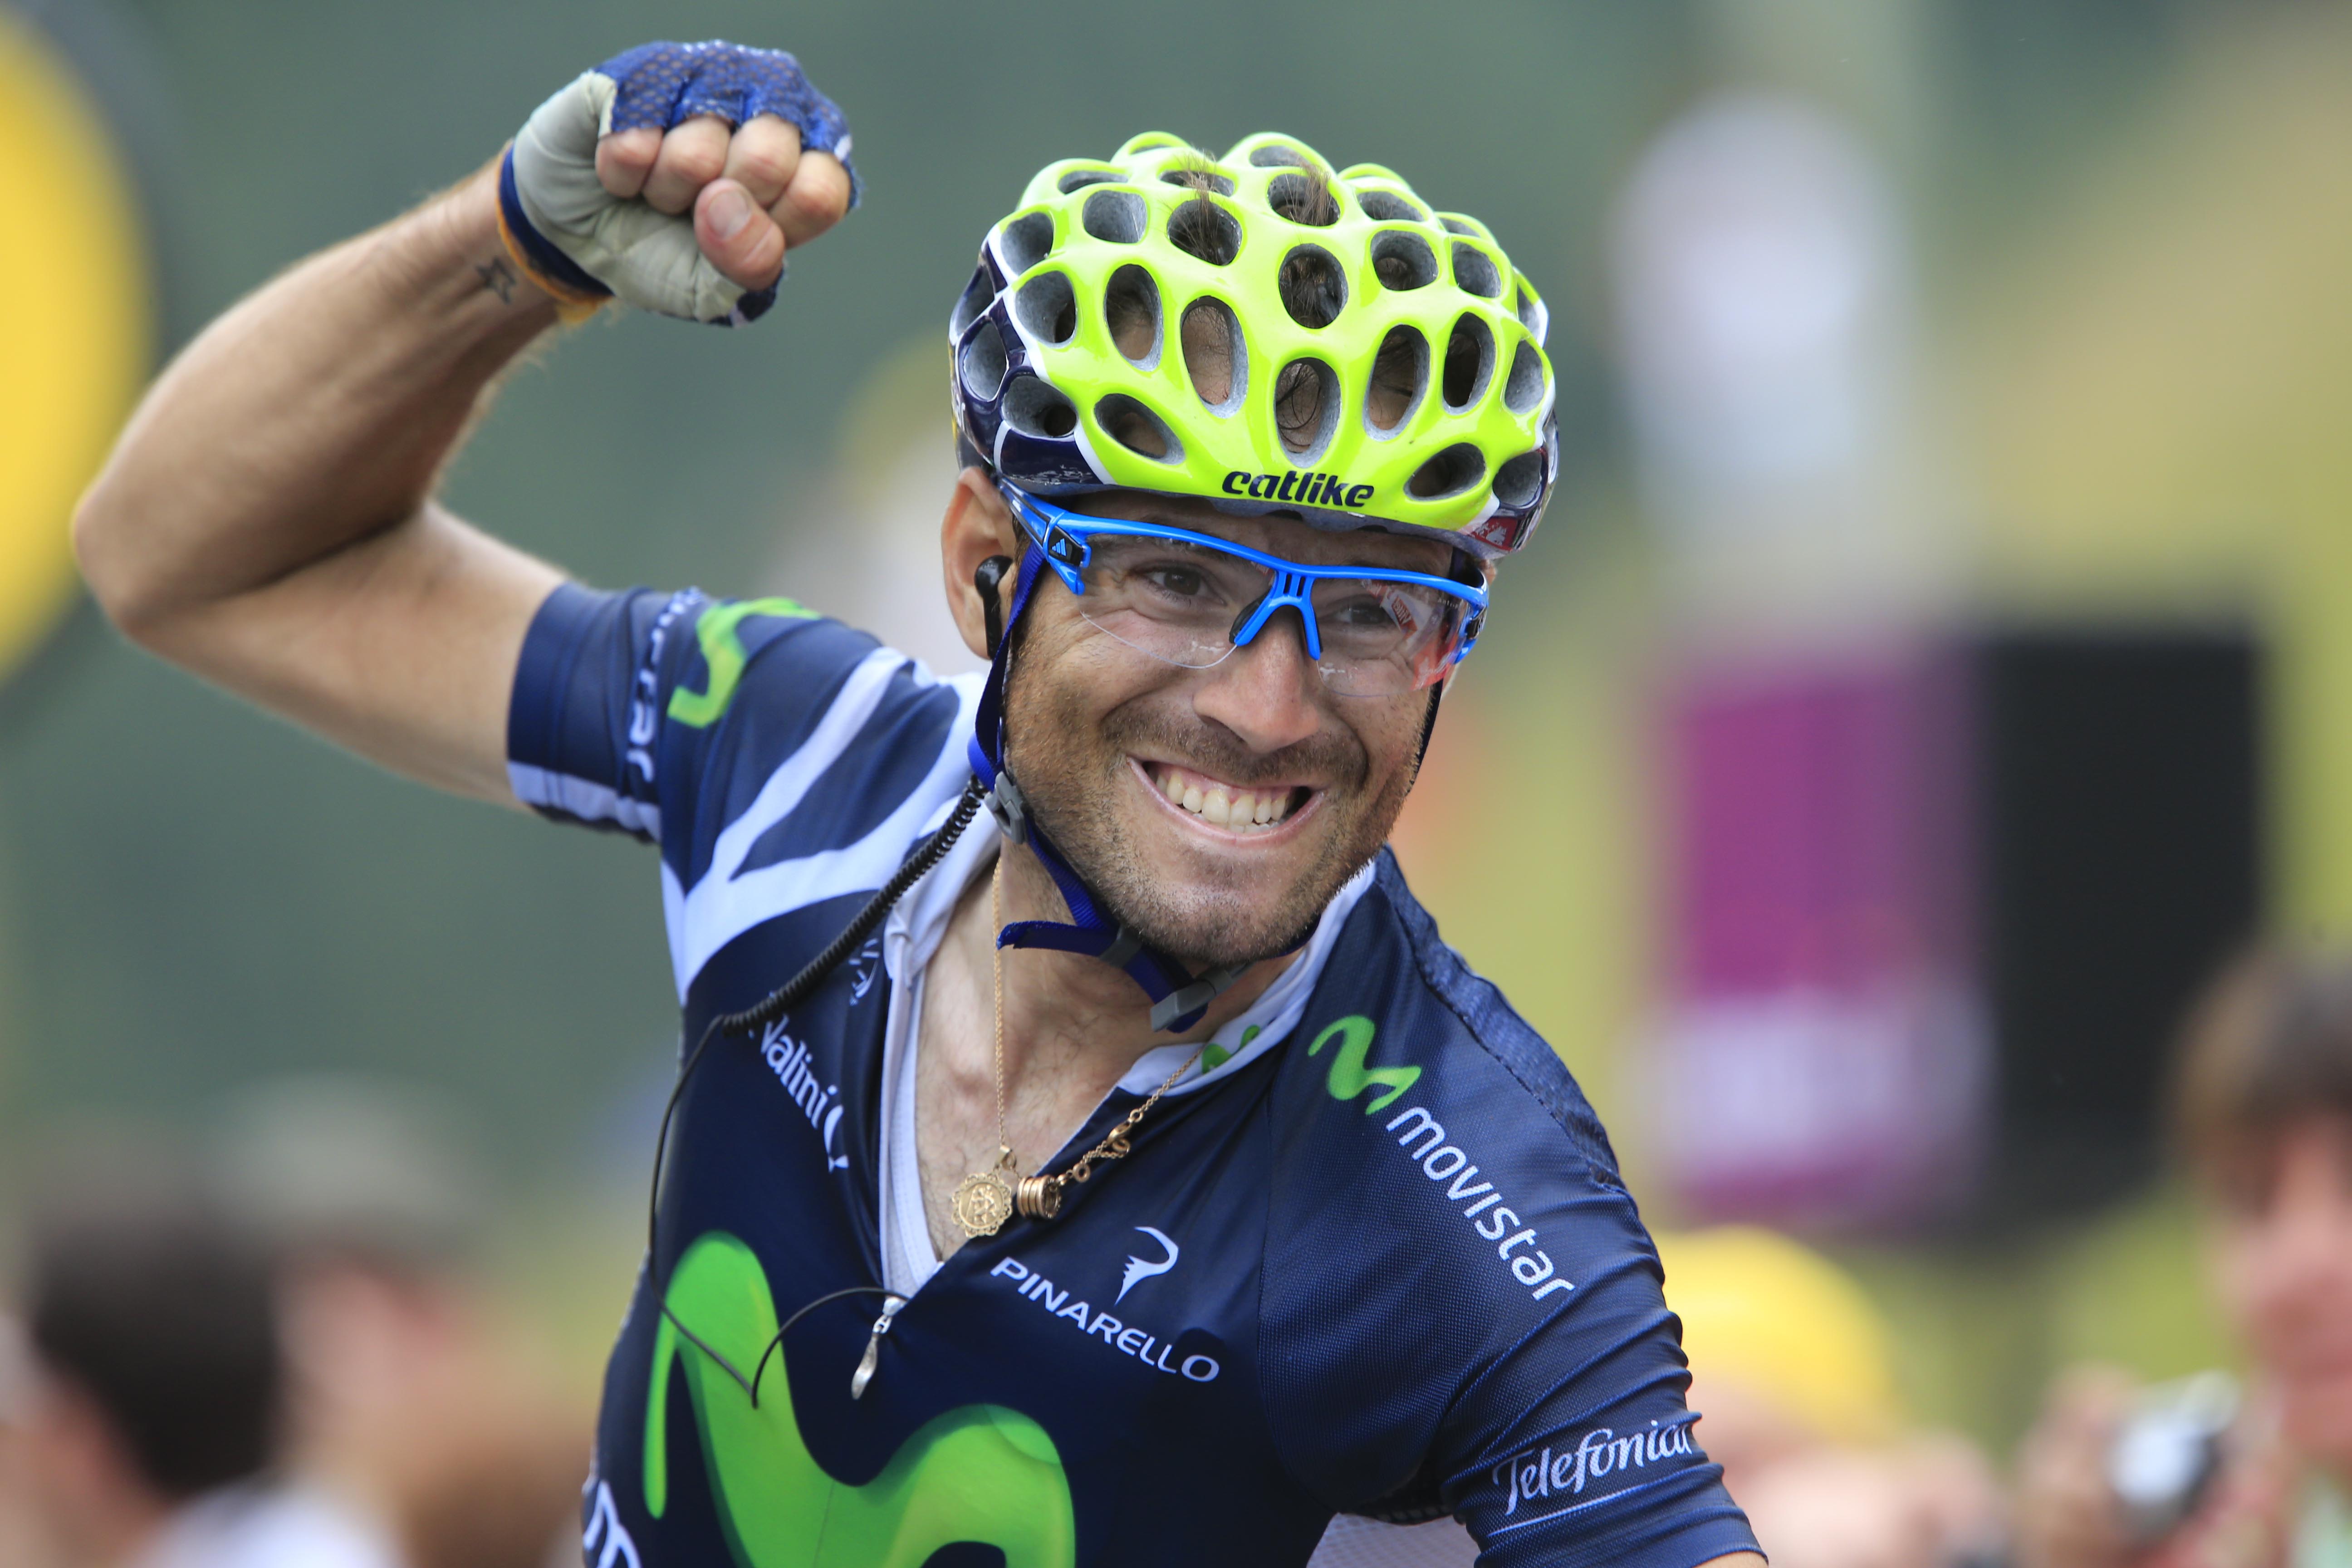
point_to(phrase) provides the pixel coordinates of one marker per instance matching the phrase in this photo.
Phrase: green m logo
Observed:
(1350, 1077)
(980, 1473)
(723, 658)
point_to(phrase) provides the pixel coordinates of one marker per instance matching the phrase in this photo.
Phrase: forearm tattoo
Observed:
(499, 278)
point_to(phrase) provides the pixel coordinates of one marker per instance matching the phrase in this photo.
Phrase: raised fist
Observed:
(676, 177)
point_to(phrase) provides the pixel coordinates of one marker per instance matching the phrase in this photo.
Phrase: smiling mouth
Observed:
(1237, 808)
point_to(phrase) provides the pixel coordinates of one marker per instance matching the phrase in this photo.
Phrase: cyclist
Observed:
(1139, 1179)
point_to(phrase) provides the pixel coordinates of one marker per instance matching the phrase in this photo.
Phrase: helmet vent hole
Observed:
(1303, 198)
(974, 300)
(1080, 179)
(1449, 473)
(1046, 308)
(1530, 311)
(1198, 177)
(982, 363)
(1314, 289)
(1138, 429)
(1116, 217)
(1306, 406)
(1203, 229)
(1214, 355)
(1469, 363)
(1023, 242)
(1400, 375)
(1034, 408)
(1458, 226)
(1519, 482)
(1474, 270)
(1132, 312)
(1401, 260)
(1276, 156)
(1524, 387)
(1389, 207)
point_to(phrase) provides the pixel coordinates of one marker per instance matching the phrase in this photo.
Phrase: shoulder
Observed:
(628, 694)
(796, 734)
(799, 762)
(1443, 1196)
(1403, 1030)
(780, 758)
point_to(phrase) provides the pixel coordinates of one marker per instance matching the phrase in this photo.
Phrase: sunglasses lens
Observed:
(1382, 637)
(1172, 599)
(1185, 601)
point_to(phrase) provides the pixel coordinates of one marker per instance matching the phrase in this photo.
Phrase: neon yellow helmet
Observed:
(1262, 331)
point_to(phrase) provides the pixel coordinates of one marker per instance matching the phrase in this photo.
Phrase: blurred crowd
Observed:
(277, 1357)
(1796, 1378)
(2203, 1475)
(284, 1357)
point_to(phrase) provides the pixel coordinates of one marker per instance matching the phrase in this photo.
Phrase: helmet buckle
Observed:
(1011, 812)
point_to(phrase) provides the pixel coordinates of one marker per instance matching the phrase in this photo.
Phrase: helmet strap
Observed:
(1428, 727)
(1178, 997)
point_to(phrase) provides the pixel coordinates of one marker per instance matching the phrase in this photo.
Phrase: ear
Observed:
(977, 526)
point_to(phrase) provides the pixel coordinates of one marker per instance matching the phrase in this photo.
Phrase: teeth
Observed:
(1240, 811)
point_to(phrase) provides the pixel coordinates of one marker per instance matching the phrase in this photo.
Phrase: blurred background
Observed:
(1937, 659)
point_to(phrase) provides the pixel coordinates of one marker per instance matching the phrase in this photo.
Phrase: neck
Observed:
(1066, 1014)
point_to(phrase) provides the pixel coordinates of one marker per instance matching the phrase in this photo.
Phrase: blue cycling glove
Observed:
(585, 245)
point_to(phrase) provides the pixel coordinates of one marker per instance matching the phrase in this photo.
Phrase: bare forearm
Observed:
(312, 415)
(268, 520)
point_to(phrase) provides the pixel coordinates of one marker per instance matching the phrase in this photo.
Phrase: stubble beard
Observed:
(1209, 915)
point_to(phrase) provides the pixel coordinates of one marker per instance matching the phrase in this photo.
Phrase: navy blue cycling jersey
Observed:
(1382, 1264)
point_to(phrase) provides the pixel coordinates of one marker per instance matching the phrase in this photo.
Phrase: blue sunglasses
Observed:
(1191, 599)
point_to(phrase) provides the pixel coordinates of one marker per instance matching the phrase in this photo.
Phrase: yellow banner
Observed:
(75, 323)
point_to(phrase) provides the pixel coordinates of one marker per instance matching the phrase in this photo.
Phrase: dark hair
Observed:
(165, 1320)
(2270, 1044)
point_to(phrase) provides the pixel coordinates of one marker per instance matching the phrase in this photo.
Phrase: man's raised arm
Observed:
(266, 519)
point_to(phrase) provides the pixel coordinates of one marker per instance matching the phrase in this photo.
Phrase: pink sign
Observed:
(1824, 1060)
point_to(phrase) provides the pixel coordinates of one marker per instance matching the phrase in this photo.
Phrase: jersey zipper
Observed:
(869, 1363)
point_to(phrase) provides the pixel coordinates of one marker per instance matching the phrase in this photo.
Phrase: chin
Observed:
(1208, 938)
(1204, 905)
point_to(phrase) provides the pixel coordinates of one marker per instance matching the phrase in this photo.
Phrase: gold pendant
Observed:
(983, 1202)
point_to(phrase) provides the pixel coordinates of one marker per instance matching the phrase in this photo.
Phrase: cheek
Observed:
(1392, 738)
(1067, 678)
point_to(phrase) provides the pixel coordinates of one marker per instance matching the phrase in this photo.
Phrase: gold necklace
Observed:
(985, 1199)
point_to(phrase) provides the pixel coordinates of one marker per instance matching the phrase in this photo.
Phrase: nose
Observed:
(1266, 691)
